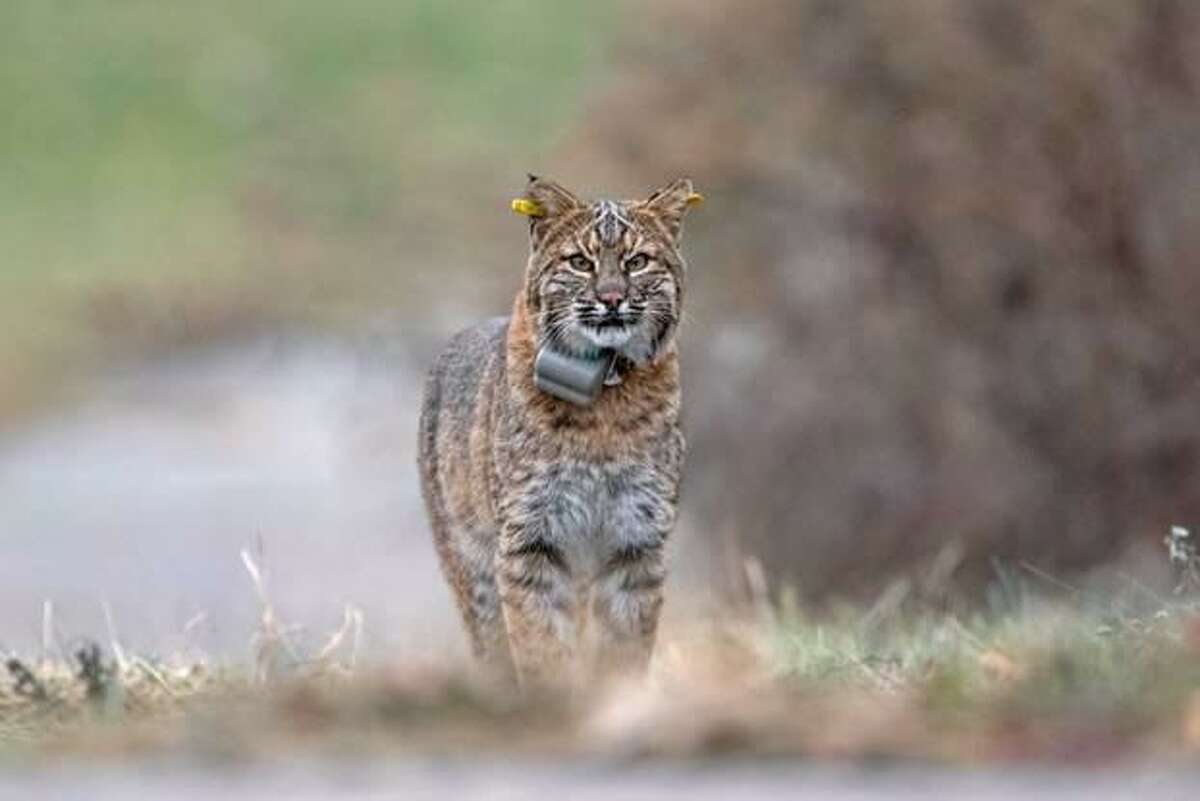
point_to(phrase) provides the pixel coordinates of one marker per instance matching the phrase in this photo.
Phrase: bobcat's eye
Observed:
(637, 261)
(580, 262)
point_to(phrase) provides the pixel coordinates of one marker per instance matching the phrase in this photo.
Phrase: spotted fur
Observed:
(551, 519)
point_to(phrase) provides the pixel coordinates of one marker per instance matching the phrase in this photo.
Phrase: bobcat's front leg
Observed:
(541, 608)
(628, 594)
(626, 602)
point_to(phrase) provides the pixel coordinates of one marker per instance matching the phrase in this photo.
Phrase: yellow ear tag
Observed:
(530, 208)
(694, 199)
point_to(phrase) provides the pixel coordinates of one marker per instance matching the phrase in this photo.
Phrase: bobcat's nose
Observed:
(612, 298)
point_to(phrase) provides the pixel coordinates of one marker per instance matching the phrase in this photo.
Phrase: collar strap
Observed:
(572, 378)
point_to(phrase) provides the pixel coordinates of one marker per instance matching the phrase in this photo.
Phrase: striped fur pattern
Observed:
(550, 519)
(611, 223)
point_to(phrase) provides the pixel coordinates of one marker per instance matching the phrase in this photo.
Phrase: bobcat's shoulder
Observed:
(453, 436)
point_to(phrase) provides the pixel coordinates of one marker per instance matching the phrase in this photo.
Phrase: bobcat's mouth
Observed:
(611, 332)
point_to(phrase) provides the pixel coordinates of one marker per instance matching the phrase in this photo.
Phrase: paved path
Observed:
(145, 495)
(514, 782)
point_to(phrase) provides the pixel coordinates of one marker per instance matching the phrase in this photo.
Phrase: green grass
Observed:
(298, 151)
(1051, 660)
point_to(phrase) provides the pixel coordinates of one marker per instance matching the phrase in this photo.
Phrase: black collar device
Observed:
(575, 379)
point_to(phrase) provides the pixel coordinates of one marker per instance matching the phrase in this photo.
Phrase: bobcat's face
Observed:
(611, 281)
(607, 275)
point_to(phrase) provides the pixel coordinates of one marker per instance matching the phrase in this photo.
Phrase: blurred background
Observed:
(942, 298)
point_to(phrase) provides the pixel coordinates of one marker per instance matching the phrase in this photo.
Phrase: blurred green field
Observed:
(172, 170)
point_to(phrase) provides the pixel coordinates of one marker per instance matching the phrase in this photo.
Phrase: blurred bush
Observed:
(945, 291)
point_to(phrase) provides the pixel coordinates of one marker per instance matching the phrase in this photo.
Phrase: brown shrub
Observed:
(946, 285)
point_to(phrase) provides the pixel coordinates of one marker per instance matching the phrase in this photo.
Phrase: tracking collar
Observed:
(575, 379)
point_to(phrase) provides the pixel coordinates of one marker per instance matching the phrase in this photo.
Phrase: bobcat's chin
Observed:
(610, 336)
(637, 343)
(587, 339)
(635, 340)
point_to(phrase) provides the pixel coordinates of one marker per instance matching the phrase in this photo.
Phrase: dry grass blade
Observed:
(114, 642)
(47, 628)
(880, 679)
(352, 623)
(155, 674)
(1185, 558)
(756, 582)
(269, 643)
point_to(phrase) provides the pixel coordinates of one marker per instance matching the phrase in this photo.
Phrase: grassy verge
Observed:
(1071, 679)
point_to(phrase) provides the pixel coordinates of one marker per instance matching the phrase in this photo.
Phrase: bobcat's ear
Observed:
(542, 201)
(671, 202)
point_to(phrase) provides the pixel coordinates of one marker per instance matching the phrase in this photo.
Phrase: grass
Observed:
(174, 170)
(1071, 678)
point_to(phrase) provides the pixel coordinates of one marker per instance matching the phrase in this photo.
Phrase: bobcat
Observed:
(550, 515)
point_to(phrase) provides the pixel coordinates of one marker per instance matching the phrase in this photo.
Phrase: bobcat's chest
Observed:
(591, 510)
